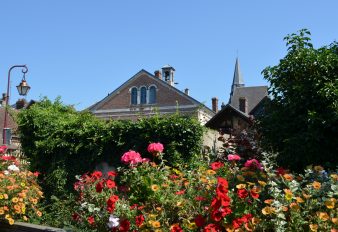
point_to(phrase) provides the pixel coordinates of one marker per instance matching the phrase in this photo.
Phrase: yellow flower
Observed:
(316, 185)
(25, 218)
(240, 178)
(7, 216)
(191, 225)
(288, 177)
(288, 194)
(268, 210)
(262, 183)
(313, 227)
(158, 230)
(155, 187)
(334, 176)
(1, 197)
(323, 216)
(318, 168)
(22, 184)
(241, 186)
(152, 216)
(15, 199)
(299, 200)
(156, 224)
(2, 211)
(10, 221)
(255, 220)
(179, 204)
(330, 203)
(210, 172)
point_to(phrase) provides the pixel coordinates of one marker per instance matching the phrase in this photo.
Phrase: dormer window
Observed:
(143, 95)
(134, 96)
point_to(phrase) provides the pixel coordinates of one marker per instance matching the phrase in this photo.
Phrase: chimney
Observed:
(20, 104)
(158, 74)
(214, 101)
(186, 91)
(3, 100)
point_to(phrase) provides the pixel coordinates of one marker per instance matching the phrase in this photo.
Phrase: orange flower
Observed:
(155, 187)
(323, 216)
(262, 183)
(294, 206)
(39, 213)
(156, 224)
(318, 168)
(210, 172)
(15, 199)
(299, 200)
(335, 221)
(316, 185)
(268, 201)
(288, 177)
(241, 186)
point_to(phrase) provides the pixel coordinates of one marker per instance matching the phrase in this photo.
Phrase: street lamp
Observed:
(23, 89)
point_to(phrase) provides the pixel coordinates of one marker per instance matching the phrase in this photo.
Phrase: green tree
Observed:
(301, 120)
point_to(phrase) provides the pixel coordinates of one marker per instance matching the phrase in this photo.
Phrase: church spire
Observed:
(238, 79)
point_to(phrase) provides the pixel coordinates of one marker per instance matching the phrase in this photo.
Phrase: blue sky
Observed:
(82, 50)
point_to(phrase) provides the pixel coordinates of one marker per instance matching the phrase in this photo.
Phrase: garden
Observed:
(158, 179)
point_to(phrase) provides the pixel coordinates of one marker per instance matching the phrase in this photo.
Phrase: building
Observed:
(244, 104)
(145, 94)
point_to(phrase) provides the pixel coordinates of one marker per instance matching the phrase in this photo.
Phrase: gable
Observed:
(166, 95)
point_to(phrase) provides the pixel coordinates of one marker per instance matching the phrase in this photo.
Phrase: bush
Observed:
(60, 142)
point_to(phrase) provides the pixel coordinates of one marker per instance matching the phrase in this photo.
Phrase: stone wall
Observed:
(26, 227)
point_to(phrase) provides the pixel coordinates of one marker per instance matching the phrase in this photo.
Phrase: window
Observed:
(242, 105)
(143, 95)
(152, 95)
(134, 96)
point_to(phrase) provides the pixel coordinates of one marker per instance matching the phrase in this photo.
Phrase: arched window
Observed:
(152, 95)
(134, 96)
(143, 95)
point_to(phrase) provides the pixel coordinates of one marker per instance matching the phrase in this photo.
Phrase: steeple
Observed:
(238, 79)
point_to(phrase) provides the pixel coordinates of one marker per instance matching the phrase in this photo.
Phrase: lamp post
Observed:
(23, 89)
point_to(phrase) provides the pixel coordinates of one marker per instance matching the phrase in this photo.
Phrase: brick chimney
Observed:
(3, 100)
(158, 74)
(214, 101)
(186, 91)
(20, 104)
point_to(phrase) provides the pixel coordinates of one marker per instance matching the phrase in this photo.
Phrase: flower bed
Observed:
(236, 195)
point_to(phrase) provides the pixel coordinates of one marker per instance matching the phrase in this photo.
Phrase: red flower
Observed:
(216, 165)
(242, 193)
(96, 175)
(111, 203)
(199, 220)
(110, 184)
(139, 220)
(36, 174)
(180, 192)
(155, 148)
(8, 157)
(211, 228)
(280, 171)
(124, 225)
(112, 173)
(99, 186)
(200, 198)
(91, 220)
(76, 217)
(236, 223)
(176, 228)
(254, 193)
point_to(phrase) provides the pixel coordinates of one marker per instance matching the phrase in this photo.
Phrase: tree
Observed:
(301, 120)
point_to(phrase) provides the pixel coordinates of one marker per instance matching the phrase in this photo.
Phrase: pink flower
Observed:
(155, 148)
(234, 157)
(253, 164)
(3, 149)
(131, 157)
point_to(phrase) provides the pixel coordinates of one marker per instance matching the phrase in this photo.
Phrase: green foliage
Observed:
(61, 142)
(301, 120)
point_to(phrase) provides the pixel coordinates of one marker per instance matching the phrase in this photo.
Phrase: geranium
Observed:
(253, 164)
(124, 225)
(176, 228)
(110, 184)
(99, 186)
(111, 203)
(139, 220)
(131, 157)
(155, 148)
(235, 157)
(199, 220)
(3, 149)
(216, 165)
(91, 220)
(242, 193)
(96, 175)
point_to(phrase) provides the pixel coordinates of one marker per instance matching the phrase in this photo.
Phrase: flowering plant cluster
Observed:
(232, 195)
(19, 191)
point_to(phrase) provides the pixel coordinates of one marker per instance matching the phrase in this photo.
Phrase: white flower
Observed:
(13, 168)
(113, 221)
(6, 172)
